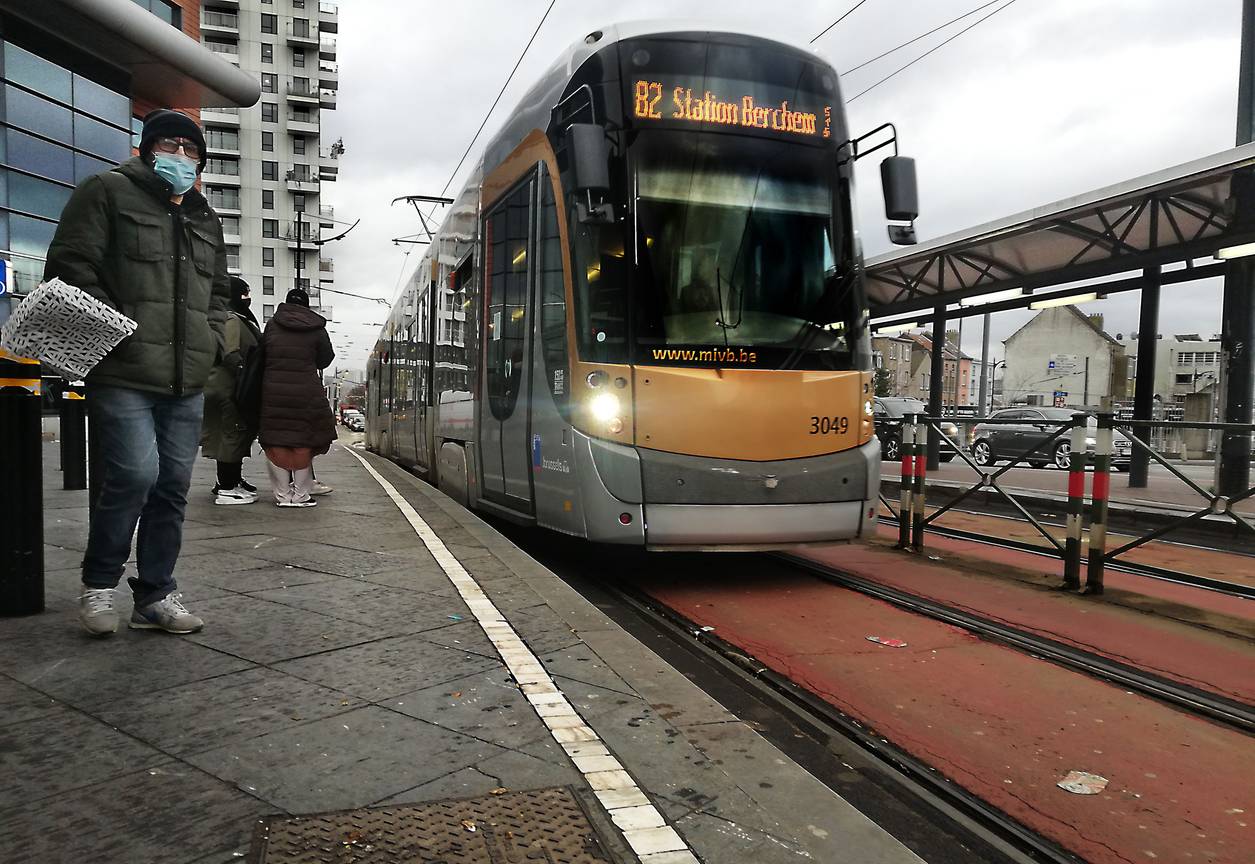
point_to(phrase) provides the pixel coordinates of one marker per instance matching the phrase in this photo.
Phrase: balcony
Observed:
(227, 51)
(327, 49)
(304, 238)
(221, 172)
(327, 100)
(304, 123)
(303, 182)
(220, 23)
(220, 116)
(328, 76)
(328, 17)
(301, 34)
(326, 215)
(328, 164)
(234, 4)
(327, 265)
(221, 144)
(302, 92)
(224, 205)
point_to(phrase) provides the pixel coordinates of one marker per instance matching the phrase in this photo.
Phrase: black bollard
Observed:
(73, 439)
(22, 505)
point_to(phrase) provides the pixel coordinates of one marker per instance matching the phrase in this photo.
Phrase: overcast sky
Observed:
(1046, 99)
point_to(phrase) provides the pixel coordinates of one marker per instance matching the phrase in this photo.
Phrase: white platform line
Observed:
(643, 826)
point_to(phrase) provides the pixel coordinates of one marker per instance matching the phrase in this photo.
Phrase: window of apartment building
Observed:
(267, 199)
(268, 142)
(233, 255)
(266, 312)
(302, 115)
(269, 170)
(267, 52)
(298, 146)
(298, 58)
(301, 283)
(1185, 378)
(269, 82)
(270, 112)
(298, 202)
(270, 228)
(298, 4)
(298, 259)
(269, 23)
(167, 12)
(226, 167)
(231, 226)
(300, 27)
(267, 256)
(267, 284)
(222, 139)
(301, 172)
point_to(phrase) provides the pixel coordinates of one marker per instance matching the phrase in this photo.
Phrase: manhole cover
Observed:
(545, 825)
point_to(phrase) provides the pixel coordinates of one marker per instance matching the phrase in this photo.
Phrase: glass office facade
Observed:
(58, 126)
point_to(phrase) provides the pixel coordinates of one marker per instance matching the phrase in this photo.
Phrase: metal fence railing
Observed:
(1085, 445)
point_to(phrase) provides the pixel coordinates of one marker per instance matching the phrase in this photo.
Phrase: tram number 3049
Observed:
(830, 425)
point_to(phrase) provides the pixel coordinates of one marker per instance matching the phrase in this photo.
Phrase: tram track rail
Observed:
(1017, 842)
(1229, 712)
(1131, 568)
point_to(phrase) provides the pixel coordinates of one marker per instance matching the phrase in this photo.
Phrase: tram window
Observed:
(506, 242)
(552, 297)
(600, 280)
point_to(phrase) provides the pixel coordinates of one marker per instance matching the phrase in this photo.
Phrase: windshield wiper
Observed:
(844, 285)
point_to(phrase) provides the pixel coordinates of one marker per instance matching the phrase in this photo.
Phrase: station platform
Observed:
(384, 650)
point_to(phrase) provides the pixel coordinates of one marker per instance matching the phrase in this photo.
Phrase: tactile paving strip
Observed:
(544, 826)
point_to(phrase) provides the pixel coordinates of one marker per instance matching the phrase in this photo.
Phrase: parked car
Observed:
(348, 416)
(992, 443)
(356, 423)
(888, 411)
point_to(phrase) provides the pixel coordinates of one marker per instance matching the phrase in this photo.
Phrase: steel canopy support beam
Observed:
(1144, 392)
(936, 381)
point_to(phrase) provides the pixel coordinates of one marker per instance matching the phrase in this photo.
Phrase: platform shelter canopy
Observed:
(1175, 215)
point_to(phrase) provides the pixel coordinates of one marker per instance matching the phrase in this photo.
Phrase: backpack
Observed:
(247, 395)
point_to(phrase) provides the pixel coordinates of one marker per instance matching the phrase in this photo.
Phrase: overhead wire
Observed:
(936, 47)
(453, 175)
(847, 14)
(908, 42)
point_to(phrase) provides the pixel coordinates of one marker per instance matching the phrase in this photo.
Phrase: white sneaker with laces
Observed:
(319, 488)
(168, 614)
(97, 612)
(308, 502)
(238, 495)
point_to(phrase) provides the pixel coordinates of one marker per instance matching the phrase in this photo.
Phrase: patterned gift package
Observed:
(66, 328)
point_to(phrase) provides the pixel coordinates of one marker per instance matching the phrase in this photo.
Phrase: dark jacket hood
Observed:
(289, 316)
(138, 172)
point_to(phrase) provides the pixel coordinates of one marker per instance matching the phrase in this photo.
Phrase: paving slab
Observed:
(342, 667)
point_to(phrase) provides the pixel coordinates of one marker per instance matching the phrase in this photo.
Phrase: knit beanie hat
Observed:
(297, 297)
(164, 123)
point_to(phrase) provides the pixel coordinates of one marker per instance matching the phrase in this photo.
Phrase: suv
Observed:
(1006, 441)
(888, 411)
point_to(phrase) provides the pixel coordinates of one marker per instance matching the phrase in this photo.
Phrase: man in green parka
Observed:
(141, 239)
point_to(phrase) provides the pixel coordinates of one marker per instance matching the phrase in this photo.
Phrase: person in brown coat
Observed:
(296, 419)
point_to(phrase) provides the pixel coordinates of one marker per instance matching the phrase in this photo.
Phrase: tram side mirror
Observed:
(897, 179)
(589, 157)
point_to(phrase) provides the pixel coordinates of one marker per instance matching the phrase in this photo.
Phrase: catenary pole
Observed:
(1237, 333)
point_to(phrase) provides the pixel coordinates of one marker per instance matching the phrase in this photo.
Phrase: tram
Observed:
(642, 320)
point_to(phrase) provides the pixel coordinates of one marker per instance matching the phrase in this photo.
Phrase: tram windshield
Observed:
(736, 259)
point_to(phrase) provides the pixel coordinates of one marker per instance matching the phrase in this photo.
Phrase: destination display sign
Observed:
(666, 100)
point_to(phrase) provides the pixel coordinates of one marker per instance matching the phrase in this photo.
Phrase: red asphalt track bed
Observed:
(1212, 661)
(1005, 726)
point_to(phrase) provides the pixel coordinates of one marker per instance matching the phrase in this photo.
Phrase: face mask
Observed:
(246, 302)
(175, 170)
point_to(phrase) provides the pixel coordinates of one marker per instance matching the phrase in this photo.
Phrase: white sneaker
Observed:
(96, 611)
(319, 488)
(168, 614)
(308, 502)
(238, 495)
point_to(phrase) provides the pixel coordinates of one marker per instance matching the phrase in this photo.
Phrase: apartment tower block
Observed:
(267, 163)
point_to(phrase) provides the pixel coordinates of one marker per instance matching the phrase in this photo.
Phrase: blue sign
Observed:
(536, 462)
(4, 277)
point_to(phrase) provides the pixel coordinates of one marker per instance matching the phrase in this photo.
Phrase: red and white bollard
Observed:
(1077, 460)
(1098, 505)
(906, 450)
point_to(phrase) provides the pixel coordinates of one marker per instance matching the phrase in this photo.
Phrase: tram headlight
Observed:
(604, 407)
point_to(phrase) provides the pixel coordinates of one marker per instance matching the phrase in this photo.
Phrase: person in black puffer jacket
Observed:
(296, 419)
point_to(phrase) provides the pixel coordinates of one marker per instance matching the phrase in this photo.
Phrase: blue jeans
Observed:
(145, 447)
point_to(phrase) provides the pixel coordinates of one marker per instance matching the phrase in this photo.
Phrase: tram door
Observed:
(504, 416)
